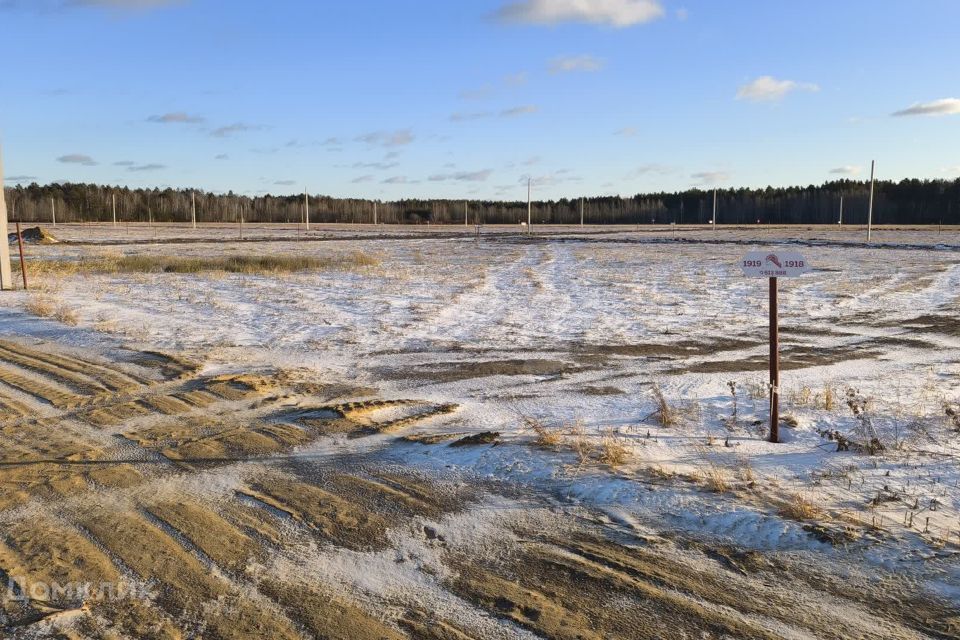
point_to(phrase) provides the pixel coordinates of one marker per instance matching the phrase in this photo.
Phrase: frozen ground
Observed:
(558, 342)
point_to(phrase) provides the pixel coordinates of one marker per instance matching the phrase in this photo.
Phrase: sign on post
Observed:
(773, 265)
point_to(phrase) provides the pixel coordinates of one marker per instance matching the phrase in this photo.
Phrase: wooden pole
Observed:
(581, 211)
(193, 209)
(53, 211)
(113, 197)
(23, 267)
(870, 207)
(774, 364)
(306, 208)
(529, 207)
(374, 212)
(466, 220)
(6, 278)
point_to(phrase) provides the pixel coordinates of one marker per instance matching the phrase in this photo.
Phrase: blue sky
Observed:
(407, 98)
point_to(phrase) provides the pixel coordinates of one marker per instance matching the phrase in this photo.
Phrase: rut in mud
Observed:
(209, 500)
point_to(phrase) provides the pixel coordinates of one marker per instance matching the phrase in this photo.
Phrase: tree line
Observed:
(908, 201)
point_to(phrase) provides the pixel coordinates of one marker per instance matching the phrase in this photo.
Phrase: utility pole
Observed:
(870, 207)
(374, 212)
(53, 211)
(193, 209)
(714, 208)
(306, 208)
(529, 206)
(581, 211)
(113, 198)
(6, 278)
(841, 210)
(466, 221)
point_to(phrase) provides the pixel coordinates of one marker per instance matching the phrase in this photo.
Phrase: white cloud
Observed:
(477, 94)
(626, 132)
(944, 107)
(614, 13)
(77, 158)
(398, 180)
(175, 117)
(462, 176)
(711, 177)
(516, 79)
(387, 138)
(20, 179)
(146, 167)
(570, 64)
(768, 89)
(236, 127)
(846, 170)
(466, 117)
(361, 179)
(519, 111)
(125, 4)
(221, 156)
(285, 183)
(651, 169)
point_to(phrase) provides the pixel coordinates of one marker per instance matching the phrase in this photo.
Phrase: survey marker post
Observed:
(774, 265)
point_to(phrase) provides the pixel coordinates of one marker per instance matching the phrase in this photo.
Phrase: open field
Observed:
(409, 432)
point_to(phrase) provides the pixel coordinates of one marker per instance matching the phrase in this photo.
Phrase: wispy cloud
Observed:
(570, 64)
(221, 156)
(387, 138)
(519, 111)
(285, 183)
(944, 107)
(77, 158)
(20, 179)
(614, 13)
(846, 170)
(626, 132)
(398, 180)
(236, 127)
(769, 89)
(516, 79)
(381, 166)
(477, 94)
(176, 117)
(467, 117)
(711, 177)
(652, 168)
(462, 176)
(361, 179)
(147, 167)
(123, 4)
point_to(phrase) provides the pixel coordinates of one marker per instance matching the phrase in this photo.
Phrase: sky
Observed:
(471, 98)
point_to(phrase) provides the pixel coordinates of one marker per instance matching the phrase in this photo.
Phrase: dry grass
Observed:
(715, 478)
(664, 413)
(227, 264)
(801, 508)
(66, 315)
(612, 450)
(40, 306)
(546, 437)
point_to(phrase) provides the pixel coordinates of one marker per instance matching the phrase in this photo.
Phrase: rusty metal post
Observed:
(23, 267)
(774, 364)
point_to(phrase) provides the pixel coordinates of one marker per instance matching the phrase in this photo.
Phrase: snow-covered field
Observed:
(561, 341)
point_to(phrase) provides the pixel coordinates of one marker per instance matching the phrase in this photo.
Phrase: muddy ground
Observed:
(264, 505)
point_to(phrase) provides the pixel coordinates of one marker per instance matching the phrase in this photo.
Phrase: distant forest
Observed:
(904, 202)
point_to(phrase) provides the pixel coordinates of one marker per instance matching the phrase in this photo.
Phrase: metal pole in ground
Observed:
(193, 209)
(870, 207)
(466, 221)
(23, 267)
(529, 207)
(114, 199)
(53, 211)
(714, 209)
(774, 364)
(581, 211)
